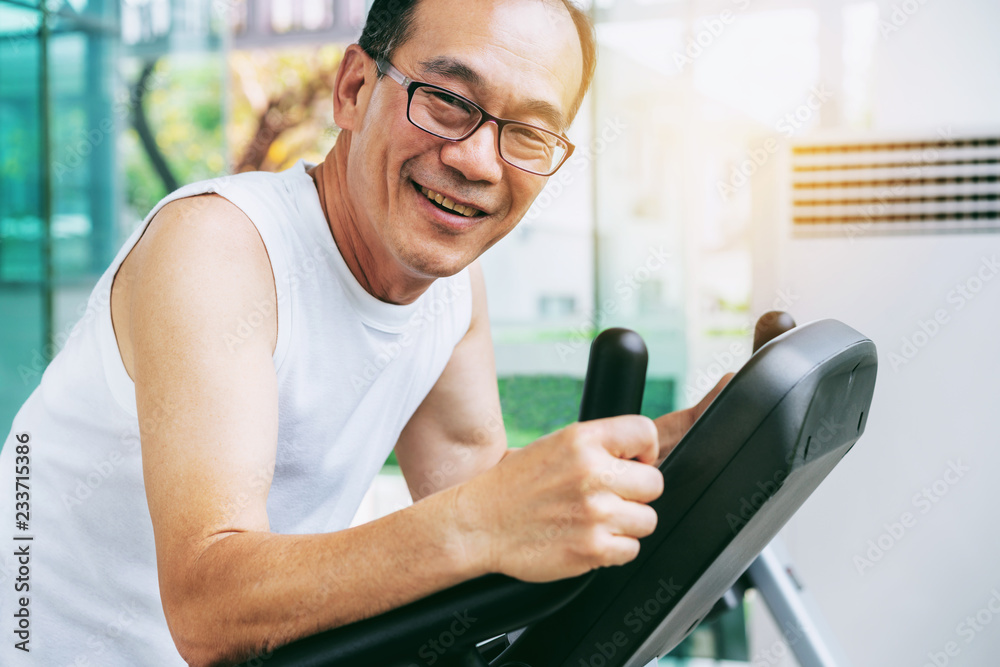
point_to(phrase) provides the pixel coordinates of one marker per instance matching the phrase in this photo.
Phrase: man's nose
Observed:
(476, 156)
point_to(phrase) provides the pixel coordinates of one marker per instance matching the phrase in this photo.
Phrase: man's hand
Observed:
(570, 502)
(672, 426)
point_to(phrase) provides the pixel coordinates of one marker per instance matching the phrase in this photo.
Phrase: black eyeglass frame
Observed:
(412, 85)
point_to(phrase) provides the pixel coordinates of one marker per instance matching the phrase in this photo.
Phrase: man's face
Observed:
(519, 60)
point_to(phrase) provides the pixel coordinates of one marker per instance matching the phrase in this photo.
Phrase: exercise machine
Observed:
(777, 429)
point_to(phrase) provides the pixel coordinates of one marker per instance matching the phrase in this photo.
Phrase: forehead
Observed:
(523, 51)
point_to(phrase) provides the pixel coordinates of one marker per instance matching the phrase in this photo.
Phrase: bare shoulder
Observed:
(206, 224)
(197, 254)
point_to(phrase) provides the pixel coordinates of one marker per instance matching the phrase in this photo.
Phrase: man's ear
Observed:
(349, 102)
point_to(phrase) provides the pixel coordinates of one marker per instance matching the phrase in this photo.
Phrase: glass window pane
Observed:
(20, 168)
(22, 300)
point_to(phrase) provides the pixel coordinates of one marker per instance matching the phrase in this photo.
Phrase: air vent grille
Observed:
(904, 186)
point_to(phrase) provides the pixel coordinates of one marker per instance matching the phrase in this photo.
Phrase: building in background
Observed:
(105, 107)
(58, 186)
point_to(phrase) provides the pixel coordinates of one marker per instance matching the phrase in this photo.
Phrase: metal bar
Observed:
(45, 148)
(796, 615)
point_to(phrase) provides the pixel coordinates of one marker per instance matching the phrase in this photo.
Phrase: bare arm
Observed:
(208, 422)
(457, 432)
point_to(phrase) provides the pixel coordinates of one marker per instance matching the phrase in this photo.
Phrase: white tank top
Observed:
(351, 371)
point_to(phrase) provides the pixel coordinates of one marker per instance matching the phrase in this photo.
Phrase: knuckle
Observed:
(578, 553)
(655, 484)
(629, 551)
(650, 428)
(599, 550)
(584, 482)
(569, 431)
(587, 473)
(594, 511)
(574, 431)
(649, 520)
(575, 442)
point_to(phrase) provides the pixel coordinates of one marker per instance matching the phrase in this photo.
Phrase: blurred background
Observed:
(831, 158)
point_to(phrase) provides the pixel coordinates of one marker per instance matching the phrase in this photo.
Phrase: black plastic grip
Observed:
(616, 375)
(771, 325)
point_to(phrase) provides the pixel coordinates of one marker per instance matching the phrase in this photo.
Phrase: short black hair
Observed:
(390, 25)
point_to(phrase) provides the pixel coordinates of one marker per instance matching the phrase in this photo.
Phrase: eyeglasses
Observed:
(450, 116)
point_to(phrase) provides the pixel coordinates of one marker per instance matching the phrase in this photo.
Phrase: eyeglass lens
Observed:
(452, 118)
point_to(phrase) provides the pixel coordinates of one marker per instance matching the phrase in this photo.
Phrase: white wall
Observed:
(940, 69)
(941, 66)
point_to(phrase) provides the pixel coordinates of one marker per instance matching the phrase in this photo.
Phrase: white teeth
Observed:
(467, 211)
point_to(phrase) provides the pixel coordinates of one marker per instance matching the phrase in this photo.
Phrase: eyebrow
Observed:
(453, 68)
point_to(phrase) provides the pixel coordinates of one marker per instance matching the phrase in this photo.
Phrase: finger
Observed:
(618, 550)
(629, 480)
(672, 427)
(628, 437)
(633, 520)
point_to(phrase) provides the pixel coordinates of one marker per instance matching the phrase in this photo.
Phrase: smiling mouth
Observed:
(447, 205)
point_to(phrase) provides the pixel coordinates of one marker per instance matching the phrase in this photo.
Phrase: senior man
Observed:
(198, 449)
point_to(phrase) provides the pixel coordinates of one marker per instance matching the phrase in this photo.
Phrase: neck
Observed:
(371, 263)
